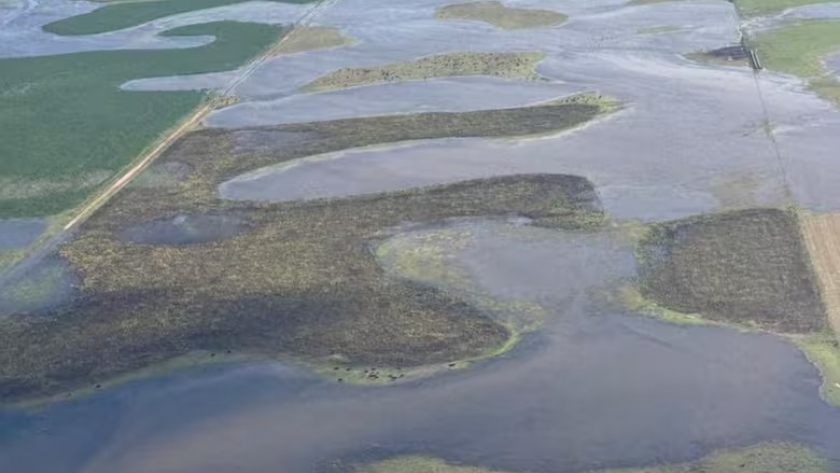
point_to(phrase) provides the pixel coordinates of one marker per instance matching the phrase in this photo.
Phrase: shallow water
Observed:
(44, 285)
(597, 387)
(185, 230)
(18, 233)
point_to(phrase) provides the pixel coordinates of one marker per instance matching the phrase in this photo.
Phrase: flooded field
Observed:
(596, 388)
(553, 236)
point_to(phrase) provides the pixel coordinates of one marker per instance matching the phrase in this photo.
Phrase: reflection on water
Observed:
(595, 388)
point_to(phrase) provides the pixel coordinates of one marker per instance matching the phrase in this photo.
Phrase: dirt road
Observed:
(157, 149)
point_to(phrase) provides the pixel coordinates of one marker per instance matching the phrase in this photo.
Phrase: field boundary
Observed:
(821, 233)
(47, 243)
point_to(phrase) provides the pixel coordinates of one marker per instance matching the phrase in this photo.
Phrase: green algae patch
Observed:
(767, 457)
(496, 14)
(798, 49)
(659, 29)
(311, 38)
(650, 2)
(822, 350)
(514, 65)
(119, 15)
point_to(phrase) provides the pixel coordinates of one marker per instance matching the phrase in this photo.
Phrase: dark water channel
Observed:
(597, 387)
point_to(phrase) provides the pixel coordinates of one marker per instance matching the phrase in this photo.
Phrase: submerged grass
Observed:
(767, 457)
(510, 64)
(497, 14)
(798, 49)
(119, 15)
(64, 118)
(302, 283)
(659, 29)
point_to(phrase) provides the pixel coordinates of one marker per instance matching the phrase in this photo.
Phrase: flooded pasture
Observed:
(185, 230)
(597, 387)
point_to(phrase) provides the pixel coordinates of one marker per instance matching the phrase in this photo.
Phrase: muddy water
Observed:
(597, 387)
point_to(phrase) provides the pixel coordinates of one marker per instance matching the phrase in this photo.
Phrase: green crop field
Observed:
(65, 125)
(117, 16)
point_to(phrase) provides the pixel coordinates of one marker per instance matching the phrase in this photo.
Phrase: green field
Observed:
(798, 48)
(65, 125)
(768, 7)
(767, 457)
(117, 16)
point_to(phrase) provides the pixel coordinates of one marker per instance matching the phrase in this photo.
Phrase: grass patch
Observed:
(746, 267)
(512, 65)
(310, 38)
(302, 283)
(767, 457)
(659, 29)
(8, 257)
(499, 15)
(798, 49)
(822, 350)
(64, 118)
(751, 8)
(119, 15)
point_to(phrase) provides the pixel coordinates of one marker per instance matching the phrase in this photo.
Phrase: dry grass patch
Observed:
(499, 15)
(310, 38)
(519, 65)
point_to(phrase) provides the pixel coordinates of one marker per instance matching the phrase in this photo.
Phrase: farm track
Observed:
(822, 238)
(147, 158)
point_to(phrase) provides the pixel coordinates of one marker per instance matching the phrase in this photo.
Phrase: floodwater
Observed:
(185, 230)
(597, 387)
(18, 233)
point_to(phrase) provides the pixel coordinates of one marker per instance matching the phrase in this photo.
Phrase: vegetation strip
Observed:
(513, 65)
(499, 15)
(767, 457)
(117, 16)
